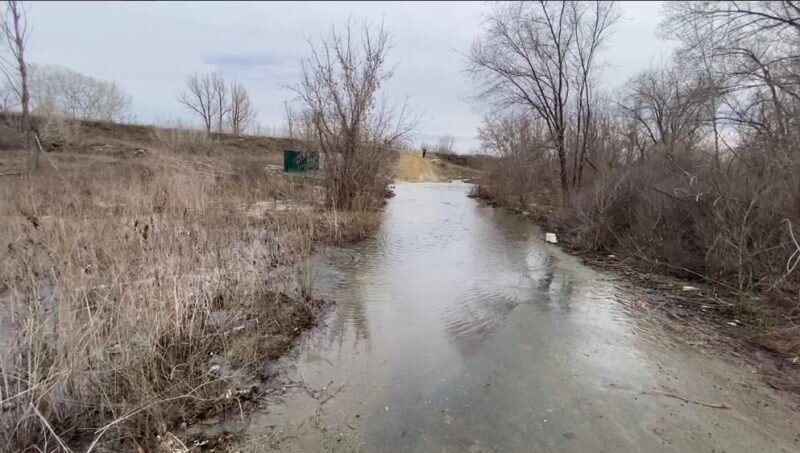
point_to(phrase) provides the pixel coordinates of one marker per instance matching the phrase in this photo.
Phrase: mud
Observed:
(458, 329)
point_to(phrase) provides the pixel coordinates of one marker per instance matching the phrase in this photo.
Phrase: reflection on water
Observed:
(442, 273)
(458, 329)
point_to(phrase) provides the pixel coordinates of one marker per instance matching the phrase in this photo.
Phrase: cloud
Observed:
(255, 65)
(260, 59)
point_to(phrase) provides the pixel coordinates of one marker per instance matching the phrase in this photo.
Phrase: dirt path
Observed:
(410, 166)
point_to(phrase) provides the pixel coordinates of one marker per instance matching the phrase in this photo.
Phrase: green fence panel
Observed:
(298, 161)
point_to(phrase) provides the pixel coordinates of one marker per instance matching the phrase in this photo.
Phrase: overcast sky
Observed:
(149, 48)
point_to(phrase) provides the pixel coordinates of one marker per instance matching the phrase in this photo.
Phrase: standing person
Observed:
(424, 152)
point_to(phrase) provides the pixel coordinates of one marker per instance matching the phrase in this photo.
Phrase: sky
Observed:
(150, 48)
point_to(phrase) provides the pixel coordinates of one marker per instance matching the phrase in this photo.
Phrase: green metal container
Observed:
(299, 161)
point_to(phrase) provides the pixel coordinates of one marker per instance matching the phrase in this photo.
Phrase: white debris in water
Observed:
(612, 256)
(550, 238)
(690, 288)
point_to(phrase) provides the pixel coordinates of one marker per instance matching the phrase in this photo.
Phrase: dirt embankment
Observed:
(411, 166)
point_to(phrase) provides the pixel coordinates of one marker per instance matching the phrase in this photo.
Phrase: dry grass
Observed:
(124, 280)
(184, 140)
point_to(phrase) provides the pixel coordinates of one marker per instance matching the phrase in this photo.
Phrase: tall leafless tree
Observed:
(533, 53)
(668, 107)
(199, 97)
(752, 50)
(290, 119)
(62, 91)
(241, 113)
(446, 144)
(14, 29)
(349, 124)
(220, 95)
(592, 21)
(8, 96)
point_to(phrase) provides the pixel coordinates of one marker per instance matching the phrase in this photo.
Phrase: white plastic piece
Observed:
(690, 288)
(550, 238)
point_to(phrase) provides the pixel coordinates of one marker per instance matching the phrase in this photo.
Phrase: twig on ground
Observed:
(50, 428)
(41, 151)
(99, 433)
(686, 400)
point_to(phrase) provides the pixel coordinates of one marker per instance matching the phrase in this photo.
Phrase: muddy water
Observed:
(458, 329)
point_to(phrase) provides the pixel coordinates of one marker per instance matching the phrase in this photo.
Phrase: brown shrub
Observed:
(730, 226)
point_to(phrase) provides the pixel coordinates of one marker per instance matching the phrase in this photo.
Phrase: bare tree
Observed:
(241, 113)
(8, 96)
(14, 29)
(220, 95)
(349, 124)
(290, 119)
(520, 144)
(63, 91)
(750, 52)
(592, 22)
(199, 97)
(514, 134)
(702, 57)
(532, 54)
(668, 107)
(446, 144)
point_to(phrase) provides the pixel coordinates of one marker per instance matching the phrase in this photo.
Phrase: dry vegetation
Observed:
(137, 264)
(692, 169)
(147, 273)
(342, 116)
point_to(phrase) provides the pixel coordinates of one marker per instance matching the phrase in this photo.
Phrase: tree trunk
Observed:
(25, 97)
(562, 161)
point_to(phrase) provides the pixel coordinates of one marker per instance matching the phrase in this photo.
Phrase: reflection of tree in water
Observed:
(504, 271)
(505, 266)
(477, 316)
(545, 283)
(551, 284)
(336, 270)
(348, 271)
(356, 311)
(511, 267)
(560, 293)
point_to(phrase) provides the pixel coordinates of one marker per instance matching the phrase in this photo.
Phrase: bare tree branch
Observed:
(199, 97)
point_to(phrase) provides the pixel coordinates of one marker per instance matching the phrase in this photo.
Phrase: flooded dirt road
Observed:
(457, 329)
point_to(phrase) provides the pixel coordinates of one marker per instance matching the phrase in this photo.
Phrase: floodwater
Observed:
(457, 329)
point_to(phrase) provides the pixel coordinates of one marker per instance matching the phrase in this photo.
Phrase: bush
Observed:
(731, 226)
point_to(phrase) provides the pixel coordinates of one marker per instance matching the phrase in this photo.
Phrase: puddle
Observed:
(458, 329)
